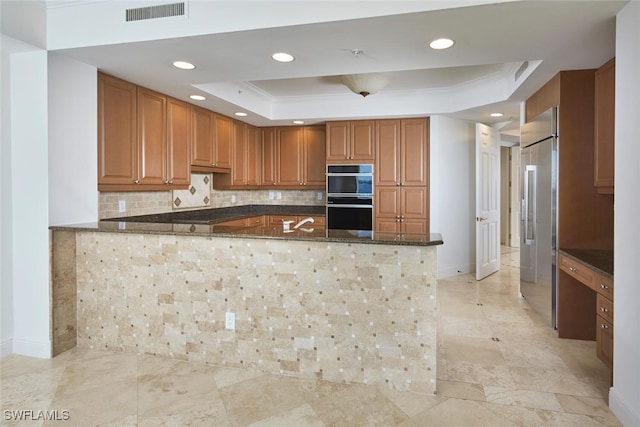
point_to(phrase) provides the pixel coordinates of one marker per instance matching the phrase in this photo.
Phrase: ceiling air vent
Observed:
(153, 12)
(521, 70)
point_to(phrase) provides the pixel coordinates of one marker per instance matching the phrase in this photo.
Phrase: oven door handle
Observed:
(337, 205)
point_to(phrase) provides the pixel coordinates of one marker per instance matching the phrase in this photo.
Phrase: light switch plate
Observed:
(230, 320)
(122, 206)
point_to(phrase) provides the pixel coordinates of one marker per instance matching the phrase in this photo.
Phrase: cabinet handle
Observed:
(397, 184)
(603, 309)
(572, 269)
(603, 326)
(137, 181)
(603, 286)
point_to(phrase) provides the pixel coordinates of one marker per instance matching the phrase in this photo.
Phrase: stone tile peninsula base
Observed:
(343, 312)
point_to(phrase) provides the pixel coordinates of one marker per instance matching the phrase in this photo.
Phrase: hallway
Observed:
(498, 365)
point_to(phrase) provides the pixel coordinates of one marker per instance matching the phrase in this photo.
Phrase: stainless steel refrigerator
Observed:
(539, 214)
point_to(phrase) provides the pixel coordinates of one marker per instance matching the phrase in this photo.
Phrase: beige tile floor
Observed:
(498, 365)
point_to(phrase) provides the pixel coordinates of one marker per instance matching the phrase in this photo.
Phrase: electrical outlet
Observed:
(122, 206)
(230, 321)
(272, 195)
(319, 195)
(279, 195)
(233, 198)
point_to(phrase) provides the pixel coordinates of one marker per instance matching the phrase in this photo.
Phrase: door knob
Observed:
(479, 218)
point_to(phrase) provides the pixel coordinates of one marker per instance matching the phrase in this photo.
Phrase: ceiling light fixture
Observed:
(496, 114)
(282, 57)
(298, 122)
(241, 114)
(365, 84)
(183, 65)
(197, 97)
(439, 44)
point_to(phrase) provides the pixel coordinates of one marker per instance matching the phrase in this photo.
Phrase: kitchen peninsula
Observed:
(336, 305)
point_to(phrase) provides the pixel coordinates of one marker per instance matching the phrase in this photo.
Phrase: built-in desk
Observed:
(585, 298)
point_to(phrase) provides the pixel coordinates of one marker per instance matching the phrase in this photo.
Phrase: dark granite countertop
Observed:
(600, 259)
(203, 223)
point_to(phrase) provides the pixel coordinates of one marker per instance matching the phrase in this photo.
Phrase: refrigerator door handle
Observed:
(529, 208)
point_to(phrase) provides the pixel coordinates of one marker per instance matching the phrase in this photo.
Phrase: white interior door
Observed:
(487, 201)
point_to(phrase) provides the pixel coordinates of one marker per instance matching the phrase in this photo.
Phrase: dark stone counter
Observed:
(601, 260)
(203, 223)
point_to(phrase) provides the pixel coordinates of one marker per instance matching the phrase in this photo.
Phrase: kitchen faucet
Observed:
(308, 220)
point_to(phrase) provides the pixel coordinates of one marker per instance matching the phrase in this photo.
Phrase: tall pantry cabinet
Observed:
(402, 176)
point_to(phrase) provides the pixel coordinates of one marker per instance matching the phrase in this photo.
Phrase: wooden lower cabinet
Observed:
(604, 340)
(585, 294)
(401, 209)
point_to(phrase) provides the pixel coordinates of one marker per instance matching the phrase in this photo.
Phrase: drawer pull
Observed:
(603, 286)
(603, 326)
(572, 269)
(604, 310)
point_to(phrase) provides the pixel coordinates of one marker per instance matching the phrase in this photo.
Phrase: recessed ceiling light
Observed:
(183, 65)
(197, 97)
(298, 122)
(241, 114)
(441, 44)
(496, 114)
(282, 57)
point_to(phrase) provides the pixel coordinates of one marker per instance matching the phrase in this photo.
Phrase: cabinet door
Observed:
(222, 141)
(314, 164)
(252, 152)
(178, 143)
(413, 202)
(269, 156)
(605, 80)
(362, 147)
(152, 137)
(238, 155)
(387, 225)
(387, 202)
(117, 131)
(414, 226)
(604, 340)
(414, 163)
(338, 141)
(201, 137)
(290, 156)
(387, 152)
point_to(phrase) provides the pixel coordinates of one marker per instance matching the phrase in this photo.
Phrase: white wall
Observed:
(452, 203)
(25, 254)
(624, 397)
(73, 162)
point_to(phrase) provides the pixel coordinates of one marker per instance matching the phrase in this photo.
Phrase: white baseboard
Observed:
(6, 348)
(627, 415)
(40, 349)
(455, 271)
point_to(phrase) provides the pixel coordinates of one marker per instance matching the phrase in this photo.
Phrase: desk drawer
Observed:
(604, 340)
(604, 307)
(604, 285)
(578, 271)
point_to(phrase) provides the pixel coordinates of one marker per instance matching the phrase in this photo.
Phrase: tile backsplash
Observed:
(199, 195)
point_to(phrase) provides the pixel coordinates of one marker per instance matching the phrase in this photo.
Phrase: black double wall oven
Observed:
(350, 197)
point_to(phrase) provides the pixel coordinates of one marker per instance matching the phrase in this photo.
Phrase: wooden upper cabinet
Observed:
(245, 159)
(143, 138)
(313, 162)
(414, 152)
(152, 137)
(202, 123)
(117, 131)
(350, 141)
(178, 143)
(387, 169)
(269, 176)
(290, 156)
(211, 140)
(222, 141)
(604, 123)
